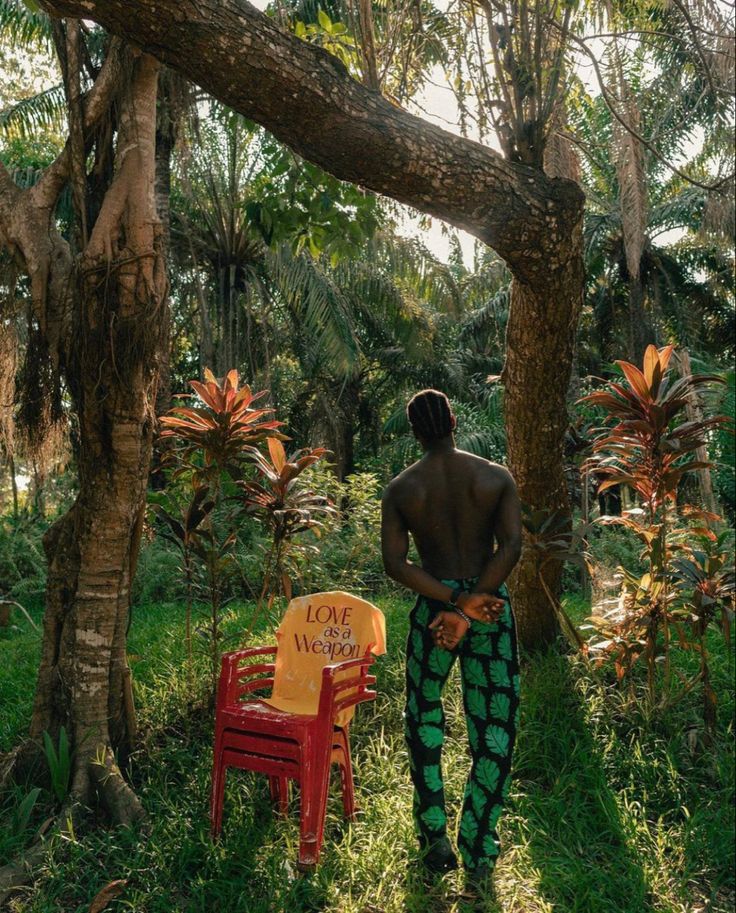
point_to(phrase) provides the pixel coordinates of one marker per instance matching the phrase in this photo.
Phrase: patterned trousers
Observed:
(489, 667)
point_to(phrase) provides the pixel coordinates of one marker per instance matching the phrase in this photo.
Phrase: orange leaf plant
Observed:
(647, 447)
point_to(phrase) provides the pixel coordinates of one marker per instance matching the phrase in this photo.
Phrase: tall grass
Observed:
(609, 812)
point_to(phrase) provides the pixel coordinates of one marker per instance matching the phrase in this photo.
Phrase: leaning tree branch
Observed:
(308, 100)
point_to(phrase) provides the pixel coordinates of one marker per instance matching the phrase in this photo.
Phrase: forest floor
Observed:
(608, 813)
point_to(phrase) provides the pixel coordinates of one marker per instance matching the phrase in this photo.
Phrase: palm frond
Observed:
(318, 307)
(395, 317)
(23, 25)
(490, 315)
(411, 264)
(45, 111)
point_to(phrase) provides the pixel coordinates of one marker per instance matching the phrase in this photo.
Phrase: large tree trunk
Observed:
(640, 332)
(540, 340)
(110, 308)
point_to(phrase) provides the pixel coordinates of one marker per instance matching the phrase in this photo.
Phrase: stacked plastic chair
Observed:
(252, 734)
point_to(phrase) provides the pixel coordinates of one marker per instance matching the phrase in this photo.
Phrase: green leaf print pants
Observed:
(489, 667)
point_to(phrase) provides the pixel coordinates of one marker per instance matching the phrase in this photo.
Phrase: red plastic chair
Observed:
(251, 735)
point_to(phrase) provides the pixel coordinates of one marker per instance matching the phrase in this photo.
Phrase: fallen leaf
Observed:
(108, 893)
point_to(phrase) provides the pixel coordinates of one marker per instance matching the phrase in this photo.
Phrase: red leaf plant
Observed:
(645, 447)
(224, 427)
(286, 506)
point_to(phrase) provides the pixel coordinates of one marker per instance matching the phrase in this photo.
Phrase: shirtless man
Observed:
(455, 505)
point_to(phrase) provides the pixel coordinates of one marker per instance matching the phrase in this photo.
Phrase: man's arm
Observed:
(507, 532)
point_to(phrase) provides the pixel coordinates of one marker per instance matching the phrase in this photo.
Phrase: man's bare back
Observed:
(454, 505)
(449, 501)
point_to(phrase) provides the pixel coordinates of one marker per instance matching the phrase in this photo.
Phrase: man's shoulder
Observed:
(486, 468)
(401, 482)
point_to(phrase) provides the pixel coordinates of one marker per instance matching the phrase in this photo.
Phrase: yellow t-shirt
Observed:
(316, 631)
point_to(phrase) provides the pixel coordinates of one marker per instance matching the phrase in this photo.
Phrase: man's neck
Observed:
(443, 445)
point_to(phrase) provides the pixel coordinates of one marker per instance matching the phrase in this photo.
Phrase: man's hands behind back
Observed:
(481, 606)
(448, 628)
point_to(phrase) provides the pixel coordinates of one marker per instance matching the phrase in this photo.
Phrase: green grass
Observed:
(609, 812)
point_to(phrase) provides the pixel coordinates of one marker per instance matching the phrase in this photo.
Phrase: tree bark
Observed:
(694, 413)
(641, 333)
(307, 99)
(109, 306)
(540, 339)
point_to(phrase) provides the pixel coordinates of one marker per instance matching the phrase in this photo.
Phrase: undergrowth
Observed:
(609, 812)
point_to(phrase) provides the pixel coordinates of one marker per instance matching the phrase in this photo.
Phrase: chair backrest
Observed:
(316, 631)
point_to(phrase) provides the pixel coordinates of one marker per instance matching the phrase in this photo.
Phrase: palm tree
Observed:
(680, 288)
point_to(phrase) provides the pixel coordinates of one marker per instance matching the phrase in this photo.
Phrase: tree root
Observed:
(117, 797)
(20, 762)
(8, 764)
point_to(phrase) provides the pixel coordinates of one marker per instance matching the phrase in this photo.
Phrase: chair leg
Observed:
(315, 781)
(284, 795)
(279, 789)
(346, 778)
(217, 795)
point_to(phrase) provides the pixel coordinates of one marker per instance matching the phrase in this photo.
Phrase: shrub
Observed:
(349, 556)
(647, 447)
(22, 559)
(217, 475)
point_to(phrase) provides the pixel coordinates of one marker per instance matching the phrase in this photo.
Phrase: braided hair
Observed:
(430, 415)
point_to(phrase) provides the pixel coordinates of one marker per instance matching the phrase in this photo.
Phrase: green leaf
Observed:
(412, 709)
(432, 777)
(432, 716)
(504, 645)
(22, 815)
(468, 827)
(324, 20)
(487, 774)
(481, 644)
(414, 670)
(489, 846)
(434, 818)
(479, 799)
(422, 613)
(474, 674)
(417, 643)
(314, 249)
(440, 661)
(499, 673)
(516, 685)
(431, 736)
(431, 689)
(472, 734)
(497, 740)
(494, 815)
(500, 705)
(476, 703)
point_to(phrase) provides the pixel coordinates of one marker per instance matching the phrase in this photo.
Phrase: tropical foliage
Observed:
(217, 475)
(648, 448)
(312, 289)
